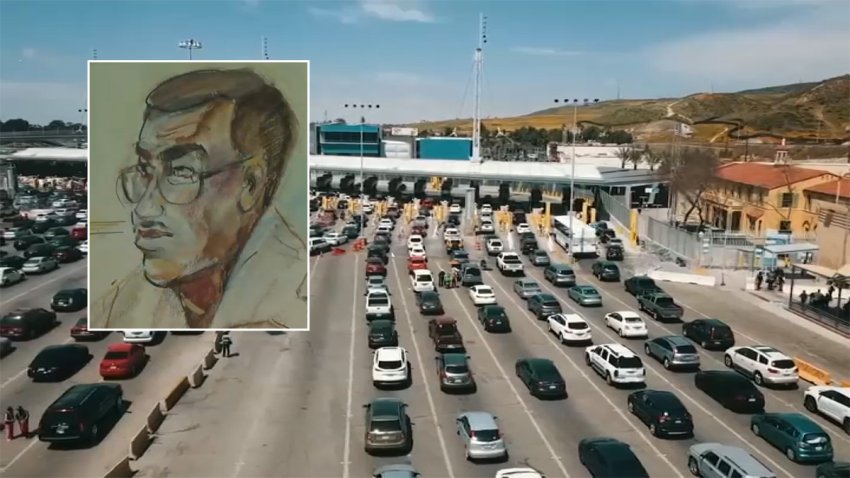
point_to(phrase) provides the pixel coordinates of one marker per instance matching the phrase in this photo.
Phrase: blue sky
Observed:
(414, 58)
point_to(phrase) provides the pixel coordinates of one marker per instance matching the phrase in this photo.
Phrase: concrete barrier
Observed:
(210, 359)
(196, 378)
(812, 374)
(175, 394)
(155, 418)
(121, 469)
(682, 278)
(140, 443)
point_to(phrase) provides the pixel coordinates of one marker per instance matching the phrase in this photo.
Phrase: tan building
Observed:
(753, 198)
(830, 202)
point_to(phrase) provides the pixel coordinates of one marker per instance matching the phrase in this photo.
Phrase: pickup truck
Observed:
(660, 306)
(639, 285)
(446, 336)
(509, 263)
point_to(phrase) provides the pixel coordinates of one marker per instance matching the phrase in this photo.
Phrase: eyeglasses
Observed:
(177, 185)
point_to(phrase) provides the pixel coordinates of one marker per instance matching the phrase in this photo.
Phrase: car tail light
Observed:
(82, 427)
(772, 370)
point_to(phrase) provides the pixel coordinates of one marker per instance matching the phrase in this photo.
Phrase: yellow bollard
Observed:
(547, 217)
(592, 215)
(633, 226)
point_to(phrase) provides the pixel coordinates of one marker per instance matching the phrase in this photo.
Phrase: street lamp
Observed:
(575, 103)
(83, 112)
(190, 44)
(361, 108)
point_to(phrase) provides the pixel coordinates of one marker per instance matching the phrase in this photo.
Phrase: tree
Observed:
(17, 124)
(591, 133)
(618, 137)
(56, 124)
(635, 157)
(447, 131)
(691, 174)
(652, 158)
(625, 155)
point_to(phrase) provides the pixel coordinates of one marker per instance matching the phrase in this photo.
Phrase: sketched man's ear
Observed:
(252, 187)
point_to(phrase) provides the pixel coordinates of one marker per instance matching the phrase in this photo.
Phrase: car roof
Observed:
(540, 362)
(546, 296)
(663, 396)
(390, 353)
(676, 340)
(454, 358)
(480, 420)
(445, 320)
(627, 313)
(397, 468)
(619, 349)
(573, 318)
(381, 324)
(771, 352)
(740, 457)
(121, 347)
(730, 375)
(586, 288)
(482, 286)
(713, 322)
(799, 421)
(528, 282)
(386, 406)
(561, 267)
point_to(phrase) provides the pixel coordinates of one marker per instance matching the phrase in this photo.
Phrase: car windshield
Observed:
(485, 291)
(389, 364)
(633, 319)
(816, 438)
(664, 301)
(423, 278)
(495, 313)
(550, 303)
(588, 291)
(686, 349)
(473, 271)
(495, 243)
(565, 272)
(577, 325)
(486, 435)
(539, 253)
(511, 259)
(116, 355)
(630, 362)
(610, 268)
(783, 364)
(386, 426)
(379, 300)
(457, 368)
(11, 320)
(461, 255)
(382, 328)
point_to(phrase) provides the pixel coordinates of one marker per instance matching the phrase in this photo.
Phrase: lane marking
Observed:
(648, 366)
(20, 454)
(22, 372)
(522, 403)
(346, 453)
(39, 286)
(593, 383)
(765, 390)
(421, 366)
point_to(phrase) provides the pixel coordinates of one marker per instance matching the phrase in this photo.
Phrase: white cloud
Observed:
(540, 51)
(386, 10)
(811, 46)
(28, 53)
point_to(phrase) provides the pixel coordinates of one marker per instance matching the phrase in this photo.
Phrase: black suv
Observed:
(81, 412)
(69, 300)
(543, 305)
(606, 271)
(638, 285)
(25, 242)
(382, 333)
(388, 427)
(711, 334)
(25, 324)
(58, 362)
(730, 389)
(40, 250)
(429, 303)
(663, 413)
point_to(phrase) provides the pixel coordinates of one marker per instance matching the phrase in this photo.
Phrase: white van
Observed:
(421, 280)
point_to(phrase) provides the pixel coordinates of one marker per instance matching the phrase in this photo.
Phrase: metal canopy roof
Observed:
(792, 248)
(50, 154)
(532, 172)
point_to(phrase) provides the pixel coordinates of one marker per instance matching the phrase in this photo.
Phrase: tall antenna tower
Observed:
(479, 65)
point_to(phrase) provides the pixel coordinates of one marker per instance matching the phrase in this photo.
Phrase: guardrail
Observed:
(146, 435)
(40, 133)
(812, 374)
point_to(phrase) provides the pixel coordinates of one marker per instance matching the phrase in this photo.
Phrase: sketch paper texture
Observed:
(198, 194)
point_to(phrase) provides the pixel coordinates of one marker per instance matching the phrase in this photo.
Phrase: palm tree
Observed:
(635, 157)
(653, 158)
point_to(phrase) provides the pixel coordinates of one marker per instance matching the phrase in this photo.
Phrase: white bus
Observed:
(584, 242)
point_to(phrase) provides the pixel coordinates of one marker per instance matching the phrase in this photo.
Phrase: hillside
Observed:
(802, 111)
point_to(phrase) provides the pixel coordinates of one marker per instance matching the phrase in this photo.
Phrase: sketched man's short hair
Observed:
(262, 116)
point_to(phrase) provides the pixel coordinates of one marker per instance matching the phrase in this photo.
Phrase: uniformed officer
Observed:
(226, 342)
(23, 418)
(9, 423)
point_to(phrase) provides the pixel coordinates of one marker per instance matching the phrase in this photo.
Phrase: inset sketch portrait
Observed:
(198, 195)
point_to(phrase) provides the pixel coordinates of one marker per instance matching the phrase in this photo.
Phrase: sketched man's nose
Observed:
(151, 203)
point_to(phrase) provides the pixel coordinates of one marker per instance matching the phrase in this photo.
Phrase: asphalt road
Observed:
(173, 357)
(290, 405)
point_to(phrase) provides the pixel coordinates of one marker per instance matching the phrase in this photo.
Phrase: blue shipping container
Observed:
(444, 148)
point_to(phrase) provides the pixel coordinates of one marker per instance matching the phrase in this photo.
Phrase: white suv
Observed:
(414, 240)
(569, 328)
(451, 233)
(378, 304)
(763, 363)
(494, 247)
(509, 263)
(832, 402)
(616, 363)
(390, 367)
(421, 280)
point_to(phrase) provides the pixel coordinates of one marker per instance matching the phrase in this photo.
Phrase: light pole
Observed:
(361, 108)
(190, 44)
(575, 103)
(83, 113)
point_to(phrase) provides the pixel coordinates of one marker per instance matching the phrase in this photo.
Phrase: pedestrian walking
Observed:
(226, 342)
(759, 280)
(23, 418)
(9, 423)
(803, 297)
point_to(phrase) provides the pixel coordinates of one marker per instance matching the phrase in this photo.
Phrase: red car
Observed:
(80, 233)
(375, 267)
(67, 254)
(416, 263)
(122, 361)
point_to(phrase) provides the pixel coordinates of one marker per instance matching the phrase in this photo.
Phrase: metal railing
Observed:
(838, 323)
(615, 208)
(43, 133)
(680, 242)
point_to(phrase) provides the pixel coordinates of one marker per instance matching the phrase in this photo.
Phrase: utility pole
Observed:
(479, 66)
(362, 108)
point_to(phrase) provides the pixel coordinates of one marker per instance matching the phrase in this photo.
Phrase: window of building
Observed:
(787, 200)
(784, 227)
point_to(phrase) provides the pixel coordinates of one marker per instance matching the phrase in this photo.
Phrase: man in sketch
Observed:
(216, 250)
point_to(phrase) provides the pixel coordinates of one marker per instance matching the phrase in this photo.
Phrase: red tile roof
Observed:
(768, 176)
(831, 188)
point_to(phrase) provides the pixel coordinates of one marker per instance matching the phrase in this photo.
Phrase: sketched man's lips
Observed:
(153, 233)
